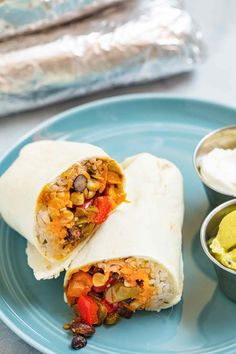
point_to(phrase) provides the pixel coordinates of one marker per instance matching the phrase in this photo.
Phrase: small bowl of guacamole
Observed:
(218, 239)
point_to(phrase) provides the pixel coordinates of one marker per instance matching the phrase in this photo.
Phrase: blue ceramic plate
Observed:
(204, 322)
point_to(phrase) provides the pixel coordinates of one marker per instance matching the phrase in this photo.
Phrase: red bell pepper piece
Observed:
(104, 207)
(88, 309)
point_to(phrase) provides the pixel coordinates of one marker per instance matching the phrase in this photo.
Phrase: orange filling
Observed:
(78, 201)
(128, 283)
(105, 292)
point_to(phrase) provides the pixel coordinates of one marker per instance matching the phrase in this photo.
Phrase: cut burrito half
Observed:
(134, 262)
(57, 193)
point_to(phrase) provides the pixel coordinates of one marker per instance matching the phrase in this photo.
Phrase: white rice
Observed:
(160, 279)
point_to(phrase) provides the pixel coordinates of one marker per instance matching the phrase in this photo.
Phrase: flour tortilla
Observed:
(149, 227)
(38, 164)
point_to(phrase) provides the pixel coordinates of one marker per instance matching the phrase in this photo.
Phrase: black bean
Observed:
(96, 296)
(72, 236)
(139, 282)
(124, 311)
(128, 301)
(95, 269)
(78, 342)
(80, 183)
(114, 278)
(77, 319)
(83, 329)
(74, 233)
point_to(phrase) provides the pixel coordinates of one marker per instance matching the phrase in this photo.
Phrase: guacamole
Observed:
(223, 246)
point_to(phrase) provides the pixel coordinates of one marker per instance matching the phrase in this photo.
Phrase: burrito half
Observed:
(134, 261)
(57, 193)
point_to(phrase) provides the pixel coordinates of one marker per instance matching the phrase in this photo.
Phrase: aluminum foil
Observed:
(136, 41)
(21, 16)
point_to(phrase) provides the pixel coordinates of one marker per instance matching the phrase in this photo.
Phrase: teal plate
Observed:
(204, 321)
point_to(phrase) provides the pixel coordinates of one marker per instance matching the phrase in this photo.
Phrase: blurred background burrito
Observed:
(55, 50)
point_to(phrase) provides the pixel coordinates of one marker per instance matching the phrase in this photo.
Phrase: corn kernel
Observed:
(66, 216)
(77, 198)
(91, 194)
(93, 185)
(100, 279)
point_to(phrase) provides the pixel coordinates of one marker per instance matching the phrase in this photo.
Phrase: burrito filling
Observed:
(70, 209)
(107, 291)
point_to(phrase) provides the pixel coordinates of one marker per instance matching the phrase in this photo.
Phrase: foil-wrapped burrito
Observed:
(135, 41)
(21, 16)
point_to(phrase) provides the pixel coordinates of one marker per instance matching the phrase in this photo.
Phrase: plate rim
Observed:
(80, 108)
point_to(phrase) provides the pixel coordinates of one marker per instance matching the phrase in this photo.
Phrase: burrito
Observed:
(134, 262)
(26, 16)
(57, 193)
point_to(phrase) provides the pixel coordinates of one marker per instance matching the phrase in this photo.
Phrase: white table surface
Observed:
(214, 80)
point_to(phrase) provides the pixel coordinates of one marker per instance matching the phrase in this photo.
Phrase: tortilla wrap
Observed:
(144, 233)
(42, 181)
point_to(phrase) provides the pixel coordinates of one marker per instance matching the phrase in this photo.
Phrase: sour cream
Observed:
(218, 169)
